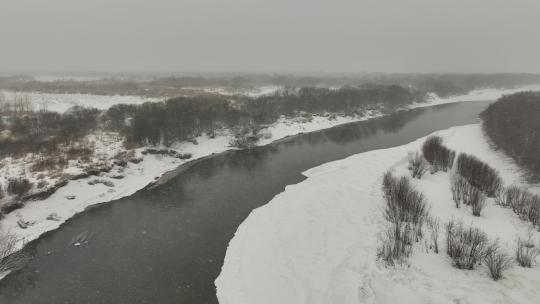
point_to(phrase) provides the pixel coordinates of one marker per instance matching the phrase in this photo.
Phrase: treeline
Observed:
(441, 84)
(43, 131)
(513, 124)
(183, 118)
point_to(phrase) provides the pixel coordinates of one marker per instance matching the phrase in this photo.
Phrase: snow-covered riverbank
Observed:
(41, 216)
(316, 242)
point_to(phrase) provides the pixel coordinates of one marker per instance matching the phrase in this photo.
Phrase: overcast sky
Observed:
(270, 35)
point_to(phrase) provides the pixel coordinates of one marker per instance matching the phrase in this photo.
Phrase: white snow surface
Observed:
(316, 241)
(250, 92)
(61, 102)
(480, 94)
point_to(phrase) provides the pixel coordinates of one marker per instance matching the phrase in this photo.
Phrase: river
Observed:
(167, 244)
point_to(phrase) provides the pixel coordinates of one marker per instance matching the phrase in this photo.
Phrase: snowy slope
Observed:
(316, 242)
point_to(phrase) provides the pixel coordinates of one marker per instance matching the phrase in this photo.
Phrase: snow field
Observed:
(316, 242)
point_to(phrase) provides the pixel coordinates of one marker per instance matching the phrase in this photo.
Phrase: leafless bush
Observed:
(463, 192)
(434, 225)
(404, 203)
(406, 210)
(479, 174)
(10, 259)
(418, 166)
(497, 260)
(439, 156)
(19, 186)
(500, 198)
(246, 135)
(397, 243)
(522, 202)
(527, 250)
(459, 187)
(387, 182)
(466, 246)
(476, 199)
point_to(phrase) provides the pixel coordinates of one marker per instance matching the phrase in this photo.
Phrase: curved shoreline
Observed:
(322, 247)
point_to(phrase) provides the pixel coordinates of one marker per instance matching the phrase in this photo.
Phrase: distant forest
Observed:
(442, 84)
(183, 118)
(513, 124)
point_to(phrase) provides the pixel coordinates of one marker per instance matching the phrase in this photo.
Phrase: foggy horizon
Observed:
(211, 36)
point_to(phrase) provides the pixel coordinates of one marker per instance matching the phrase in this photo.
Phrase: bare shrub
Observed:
(466, 246)
(19, 186)
(465, 193)
(10, 259)
(387, 182)
(396, 243)
(527, 250)
(404, 203)
(245, 135)
(439, 156)
(459, 187)
(497, 260)
(479, 174)
(476, 199)
(406, 210)
(434, 225)
(500, 198)
(522, 202)
(418, 166)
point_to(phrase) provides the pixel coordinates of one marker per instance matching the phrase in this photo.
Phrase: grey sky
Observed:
(271, 35)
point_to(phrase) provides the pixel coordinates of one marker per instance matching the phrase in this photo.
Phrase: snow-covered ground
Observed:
(61, 102)
(62, 205)
(316, 242)
(250, 92)
(480, 95)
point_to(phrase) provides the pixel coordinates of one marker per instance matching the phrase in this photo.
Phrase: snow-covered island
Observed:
(318, 241)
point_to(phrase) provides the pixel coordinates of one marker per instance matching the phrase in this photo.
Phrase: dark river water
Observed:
(167, 244)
